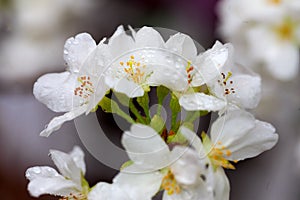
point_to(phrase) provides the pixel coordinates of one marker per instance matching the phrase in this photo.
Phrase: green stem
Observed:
(135, 111)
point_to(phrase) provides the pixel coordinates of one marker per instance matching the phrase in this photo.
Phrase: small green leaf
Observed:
(157, 123)
(175, 108)
(122, 98)
(144, 103)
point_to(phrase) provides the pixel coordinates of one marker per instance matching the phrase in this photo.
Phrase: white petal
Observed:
(54, 186)
(201, 101)
(56, 91)
(145, 147)
(40, 172)
(148, 37)
(229, 128)
(209, 64)
(194, 141)
(105, 191)
(187, 165)
(221, 185)
(77, 50)
(247, 91)
(183, 45)
(129, 88)
(57, 122)
(120, 42)
(66, 166)
(78, 158)
(139, 185)
(259, 139)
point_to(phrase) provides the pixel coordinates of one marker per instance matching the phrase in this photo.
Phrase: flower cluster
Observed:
(166, 155)
(266, 32)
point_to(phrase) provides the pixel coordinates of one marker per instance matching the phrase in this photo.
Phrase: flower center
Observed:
(75, 197)
(189, 68)
(226, 84)
(275, 2)
(133, 70)
(217, 156)
(170, 184)
(86, 89)
(286, 30)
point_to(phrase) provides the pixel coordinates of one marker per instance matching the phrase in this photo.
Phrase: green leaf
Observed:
(161, 92)
(157, 123)
(122, 98)
(175, 108)
(144, 103)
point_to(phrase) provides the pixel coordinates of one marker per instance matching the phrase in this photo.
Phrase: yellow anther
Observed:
(275, 2)
(217, 157)
(286, 30)
(170, 185)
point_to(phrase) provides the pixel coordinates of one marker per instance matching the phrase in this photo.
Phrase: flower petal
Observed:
(183, 45)
(145, 147)
(54, 186)
(138, 185)
(259, 139)
(78, 158)
(40, 172)
(57, 122)
(221, 185)
(67, 166)
(229, 128)
(120, 42)
(201, 101)
(247, 91)
(105, 191)
(77, 49)
(187, 165)
(56, 91)
(129, 88)
(209, 64)
(148, 37)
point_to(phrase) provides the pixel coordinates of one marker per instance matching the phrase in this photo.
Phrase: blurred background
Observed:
(32, 35)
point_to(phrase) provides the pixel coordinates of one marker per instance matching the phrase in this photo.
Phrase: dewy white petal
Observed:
(55, 186)
(183, 45)
(67, 166)
(230, 127)
(41, 172)
(77, 49)
(259, 139)
(129, 88)
(139, 185)
(120, 42)
(247, 91)
(148, 37)
(209, 64)
(105, 191)
(201, 101)
(56, 91)
(78, 157)
(57, 122)
(145, 147)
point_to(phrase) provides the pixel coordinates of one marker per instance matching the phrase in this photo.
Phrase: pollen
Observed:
(86, 89)
(217, 157)
(226, 83)
(286, 30)
(170, 185)
(275, 2)
(134, 70)
(74, 197)
(189, 68)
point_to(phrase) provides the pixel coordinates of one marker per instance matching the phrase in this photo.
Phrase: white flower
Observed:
(235, 136)
(140, 61)
(229, 84)
(264, 32)
(178, 172)
(72, 91)
(70, 183)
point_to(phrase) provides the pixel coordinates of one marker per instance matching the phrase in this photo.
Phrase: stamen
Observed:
(133, 70)
(189, 68)
(86, 89)
(224, 83)
(217, 157)
(170, 185)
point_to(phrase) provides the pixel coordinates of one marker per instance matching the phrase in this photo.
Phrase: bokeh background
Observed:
(32, 35)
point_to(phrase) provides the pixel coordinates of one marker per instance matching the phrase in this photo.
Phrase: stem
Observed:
(135, 111)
